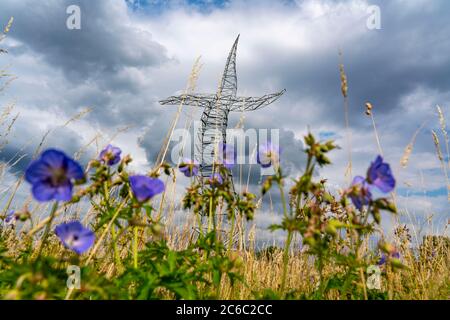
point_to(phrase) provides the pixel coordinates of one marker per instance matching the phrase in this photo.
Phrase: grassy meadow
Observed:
(97, 230)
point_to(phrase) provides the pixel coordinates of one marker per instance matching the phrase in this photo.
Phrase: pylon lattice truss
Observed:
(216, 109)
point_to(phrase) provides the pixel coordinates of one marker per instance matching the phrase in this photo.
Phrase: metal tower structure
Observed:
(216, 109)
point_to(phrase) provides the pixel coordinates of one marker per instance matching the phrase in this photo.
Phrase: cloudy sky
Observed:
(128, 55)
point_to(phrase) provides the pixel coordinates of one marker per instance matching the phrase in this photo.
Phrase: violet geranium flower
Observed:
(216, 179)
(10, 218)
(380, 175)
(145, 188)
(110, 155)
(393, 255)
(360, 193)
(268, 155)
(75, 237)
(189, 168)
(226, 156)
(51, 176)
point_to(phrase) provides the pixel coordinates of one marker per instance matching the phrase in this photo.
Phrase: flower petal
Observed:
(85, 241)
(111, 155)
(137, 184)
(64, 192)
(43, 191)
(268, 154)
(74, 170)
(189, 168)
(358, 180)
(65, 230)
(144, 187)
(53, 158)
(360, 193)
(74, 236)
(226, 155)
(37, 171)
(380, 175)
(216, 178)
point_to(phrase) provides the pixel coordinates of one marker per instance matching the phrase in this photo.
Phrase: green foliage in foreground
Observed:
(132, 259)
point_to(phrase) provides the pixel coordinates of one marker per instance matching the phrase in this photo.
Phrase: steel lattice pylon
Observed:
(216, 109)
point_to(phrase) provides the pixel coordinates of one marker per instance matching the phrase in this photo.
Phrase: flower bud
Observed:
(396, 263)
(95, 163)
(24, 216)
(386, 247)
(156, 229)
(13, 295)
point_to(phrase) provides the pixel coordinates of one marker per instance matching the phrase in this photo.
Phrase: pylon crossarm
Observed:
(253, 103)
(197, 100)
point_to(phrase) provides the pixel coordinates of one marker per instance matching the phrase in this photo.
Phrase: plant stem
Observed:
(47, 229)
(199, 221)
(286, 260)
(115, 248)
(358, 254)
(135, 247)
(283, 200)
(363, 280)
(233, 222)
(389, 281)
(99, 241)
(113, 228)
(321, 278)
(210, 222)
(287, 245)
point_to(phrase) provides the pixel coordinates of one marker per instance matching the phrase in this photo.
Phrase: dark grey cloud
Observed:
(116, 66)
(382, 66)
(101, 48)
(21, 154)
(103, 64)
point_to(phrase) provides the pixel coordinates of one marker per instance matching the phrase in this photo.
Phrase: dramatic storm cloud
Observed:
(130, 54)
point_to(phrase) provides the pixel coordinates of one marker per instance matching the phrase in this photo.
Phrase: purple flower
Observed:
(10, 218)
(189, 168)
(75, 237)
(216, 179)
(393, 255)
(110, 155)
(227, 157)
(383, 260)
(52, 174)
(268, 154)
(380, 175)
(144, 187)
(360, 193)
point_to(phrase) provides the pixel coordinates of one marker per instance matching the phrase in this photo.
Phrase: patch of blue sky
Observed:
(159, 6)
(434, 172)
(432, 193)
(326, 135)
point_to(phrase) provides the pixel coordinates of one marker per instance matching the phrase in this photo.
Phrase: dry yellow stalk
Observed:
(437, 145)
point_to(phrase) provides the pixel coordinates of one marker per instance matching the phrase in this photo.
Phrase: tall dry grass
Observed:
(428, 261)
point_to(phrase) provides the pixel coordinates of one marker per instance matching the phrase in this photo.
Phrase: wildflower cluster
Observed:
(127, 226)
(328, 223)
(123, 217)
